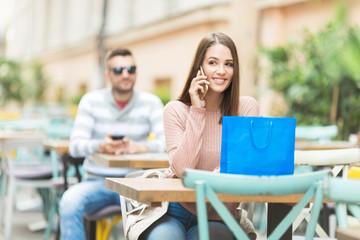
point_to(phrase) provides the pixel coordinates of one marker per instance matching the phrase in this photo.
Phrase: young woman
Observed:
(192, 127)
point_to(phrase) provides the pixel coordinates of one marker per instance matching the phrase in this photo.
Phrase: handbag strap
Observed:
(268, 138)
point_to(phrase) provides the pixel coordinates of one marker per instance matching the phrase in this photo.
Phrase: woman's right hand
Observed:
(197, 86)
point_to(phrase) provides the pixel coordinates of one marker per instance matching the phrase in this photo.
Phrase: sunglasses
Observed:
(119, 70)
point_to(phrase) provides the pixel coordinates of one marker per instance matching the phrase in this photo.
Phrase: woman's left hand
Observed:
(216, 170)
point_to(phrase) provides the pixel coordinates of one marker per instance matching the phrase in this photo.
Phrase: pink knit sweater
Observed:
(193, 140)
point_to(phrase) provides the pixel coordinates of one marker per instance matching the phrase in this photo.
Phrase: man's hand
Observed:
(125, 145)
(133, 147)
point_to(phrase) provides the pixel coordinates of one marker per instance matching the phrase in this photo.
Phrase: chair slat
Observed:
(249, 185)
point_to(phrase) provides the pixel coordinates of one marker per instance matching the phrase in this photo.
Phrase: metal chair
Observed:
(338, 159)
(60, 128)
(26, 166)
(208, 184)
(316, 133)
(100, 223)
(346, 194)
(104, 220)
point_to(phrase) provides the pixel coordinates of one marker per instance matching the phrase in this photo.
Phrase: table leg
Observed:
(77, 162)
(66, 165)
(57, 234)
(67, 160)
(276, 213)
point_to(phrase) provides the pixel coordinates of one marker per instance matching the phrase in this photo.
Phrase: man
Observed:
(117, 110)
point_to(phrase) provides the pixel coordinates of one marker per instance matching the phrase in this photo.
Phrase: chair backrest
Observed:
(253, 185)
(26, 154)
(16, 149)
(25, 124)
(327, 157)
(60, 128)
(346, 194)
(318, 133)
(207, 184)
(338, 159)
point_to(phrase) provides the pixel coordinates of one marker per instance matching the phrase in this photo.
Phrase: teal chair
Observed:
(339, 160)
(316, 133)
(346, 195)
(24, 124)
(59, 128)
(207, 184)
(25, 165)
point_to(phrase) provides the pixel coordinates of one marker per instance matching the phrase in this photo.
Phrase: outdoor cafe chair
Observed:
(104, 219)
(316, 132)
(100, 223)
(59, 128)
(339, 160)
(26, 165)
(346, 195)
(207, 184)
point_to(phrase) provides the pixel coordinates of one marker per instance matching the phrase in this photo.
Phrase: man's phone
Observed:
(117, 137)
(206, 88)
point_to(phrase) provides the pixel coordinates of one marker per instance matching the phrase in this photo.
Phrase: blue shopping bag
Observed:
(257, 145)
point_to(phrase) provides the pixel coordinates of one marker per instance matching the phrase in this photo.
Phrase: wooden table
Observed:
(13, 135)
(60, 146)
(141, 160)
(152, 191)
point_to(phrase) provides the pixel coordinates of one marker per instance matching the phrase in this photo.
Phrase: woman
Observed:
(192, 127)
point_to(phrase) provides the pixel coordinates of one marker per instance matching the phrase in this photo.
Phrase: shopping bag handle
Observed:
(268, 138)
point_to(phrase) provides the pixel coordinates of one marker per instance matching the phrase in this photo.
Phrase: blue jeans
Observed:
(85, 197)
(179, 224)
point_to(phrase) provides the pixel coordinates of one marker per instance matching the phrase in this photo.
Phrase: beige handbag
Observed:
(142, 216)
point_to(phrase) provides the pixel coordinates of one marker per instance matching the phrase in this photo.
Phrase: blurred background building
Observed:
(70, 37)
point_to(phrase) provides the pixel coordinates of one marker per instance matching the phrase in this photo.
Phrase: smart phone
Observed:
(206, 88)
(117, 137)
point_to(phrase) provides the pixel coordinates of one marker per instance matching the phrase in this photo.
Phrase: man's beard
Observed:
(123, 91)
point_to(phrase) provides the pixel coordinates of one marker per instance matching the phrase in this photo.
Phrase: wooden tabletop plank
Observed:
(60, 146)
(154, 190)
(13, 135)
(141, 161)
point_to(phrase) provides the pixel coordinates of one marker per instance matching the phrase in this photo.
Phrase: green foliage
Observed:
(163, 93)
(75, 99)
(11, 87)
(309, 73)
(21, 82)
(34, 79)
